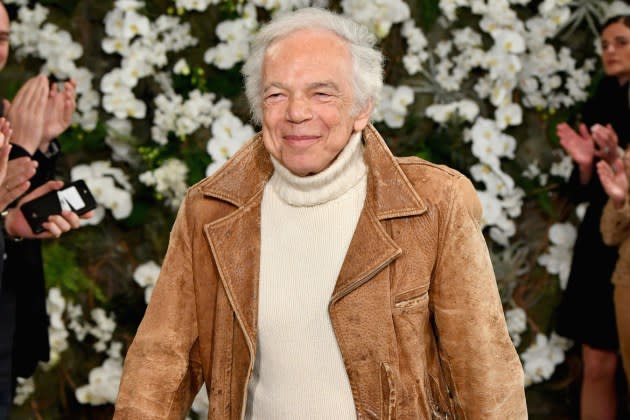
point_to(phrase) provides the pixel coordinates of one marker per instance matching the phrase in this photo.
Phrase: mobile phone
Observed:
(75, 197)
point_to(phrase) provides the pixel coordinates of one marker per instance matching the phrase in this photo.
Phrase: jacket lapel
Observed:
(389, 195)
(371, 249)
(235, 239)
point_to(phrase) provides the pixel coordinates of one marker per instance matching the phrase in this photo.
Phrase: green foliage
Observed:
(227, 83)
(75, 139)
(540, 299)
(229, 8)
(545, 202)
(139, 213)
(444, 144)
(67, 6)
(63, 270)
(429, 12)
(194, 79)
(197, 164)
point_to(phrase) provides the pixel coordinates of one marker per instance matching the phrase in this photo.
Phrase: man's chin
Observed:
(301, 169)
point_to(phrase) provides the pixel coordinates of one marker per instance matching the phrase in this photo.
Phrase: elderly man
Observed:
(315, 276)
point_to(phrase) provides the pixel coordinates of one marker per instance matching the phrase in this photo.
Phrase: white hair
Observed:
(367, 61)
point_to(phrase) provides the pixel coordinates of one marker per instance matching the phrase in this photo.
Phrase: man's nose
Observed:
(298, 110)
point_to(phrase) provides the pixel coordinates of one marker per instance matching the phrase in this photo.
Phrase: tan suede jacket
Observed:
(416, 309)
(615, 228)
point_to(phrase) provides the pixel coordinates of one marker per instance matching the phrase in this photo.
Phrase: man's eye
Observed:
(273, 96)
(322, 94)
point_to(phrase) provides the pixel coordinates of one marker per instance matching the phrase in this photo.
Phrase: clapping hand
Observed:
(26, 113)
(615, 178)
(16, 182)
(5, 147)
(59, 109)
(606, 140)
(14, 174)
(580, 146)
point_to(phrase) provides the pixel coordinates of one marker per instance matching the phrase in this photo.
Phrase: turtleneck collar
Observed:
(343, 174)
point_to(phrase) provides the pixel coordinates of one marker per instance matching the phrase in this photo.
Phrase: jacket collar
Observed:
(241, 182)
(389, 193)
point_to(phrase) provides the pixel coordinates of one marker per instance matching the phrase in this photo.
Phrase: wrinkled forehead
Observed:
(317, 52)
(308, 58)
(312, 40)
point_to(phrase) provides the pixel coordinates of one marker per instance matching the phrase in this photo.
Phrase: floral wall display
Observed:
(478, 85)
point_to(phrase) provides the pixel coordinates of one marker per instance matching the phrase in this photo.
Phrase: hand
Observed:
(16, 182)
(5, 148)
(59, 109)
(16, 225)
(14, 174)
(27, 111)
(606, 140)
(580, 147)
(615, 179)
(5, 130)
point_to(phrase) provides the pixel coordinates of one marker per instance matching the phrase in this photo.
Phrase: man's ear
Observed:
(363, 117)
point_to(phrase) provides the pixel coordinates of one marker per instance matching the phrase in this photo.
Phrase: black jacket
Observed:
(24, 273)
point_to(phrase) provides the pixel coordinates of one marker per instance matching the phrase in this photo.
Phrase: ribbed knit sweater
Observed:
(306, 227)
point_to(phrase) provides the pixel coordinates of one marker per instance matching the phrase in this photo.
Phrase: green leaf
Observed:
(429, 11)
(67, 6)
(62, 270)
(227, 83)
(76, 139)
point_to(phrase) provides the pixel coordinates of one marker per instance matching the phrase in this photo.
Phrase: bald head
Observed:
(4, 35)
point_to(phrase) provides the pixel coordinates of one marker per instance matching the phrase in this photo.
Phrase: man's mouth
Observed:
(300, 139)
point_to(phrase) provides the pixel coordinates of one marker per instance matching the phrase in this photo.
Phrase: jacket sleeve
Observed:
(577, 192)
(162, 371)
(476, 352)
(615, 223)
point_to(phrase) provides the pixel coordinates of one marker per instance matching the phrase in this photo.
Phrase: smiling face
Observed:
(308, 100)
(615, 40)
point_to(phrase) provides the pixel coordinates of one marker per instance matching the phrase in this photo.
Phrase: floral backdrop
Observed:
(476, 84)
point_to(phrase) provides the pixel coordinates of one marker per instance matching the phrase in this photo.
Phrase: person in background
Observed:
(315, 275)
(589, 284)
(615, 227)
(38, 113)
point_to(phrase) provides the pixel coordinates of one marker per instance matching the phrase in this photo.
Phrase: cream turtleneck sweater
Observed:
(306, 227)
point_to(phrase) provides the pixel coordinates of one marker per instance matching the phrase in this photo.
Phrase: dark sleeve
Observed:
(47, 161)
(579, 193)
(1, 257)
(24, 273)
